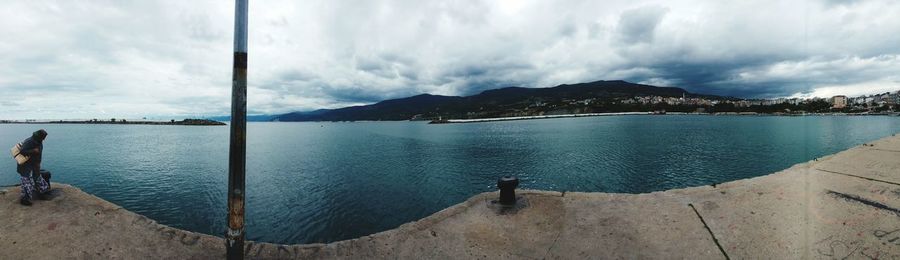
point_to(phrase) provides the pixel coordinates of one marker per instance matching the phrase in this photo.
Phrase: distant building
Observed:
(890, 99)
(839, 101)
(870, 100)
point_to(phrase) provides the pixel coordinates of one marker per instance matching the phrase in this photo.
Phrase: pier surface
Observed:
(841, 206)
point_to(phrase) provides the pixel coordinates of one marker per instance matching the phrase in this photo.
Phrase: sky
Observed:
(159, 59)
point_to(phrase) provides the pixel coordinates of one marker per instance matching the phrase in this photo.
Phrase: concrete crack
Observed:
(553, 245)
(710, 231)
(861, 177)
(886, 150)
(864, 201)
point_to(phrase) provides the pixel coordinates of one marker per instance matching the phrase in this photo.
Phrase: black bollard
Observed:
(507, 186)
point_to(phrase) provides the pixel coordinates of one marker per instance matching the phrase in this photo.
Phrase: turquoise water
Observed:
(322, 182)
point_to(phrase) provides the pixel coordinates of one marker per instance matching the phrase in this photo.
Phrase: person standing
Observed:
(30, 171)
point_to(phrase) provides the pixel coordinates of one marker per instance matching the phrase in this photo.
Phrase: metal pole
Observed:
(237, 153)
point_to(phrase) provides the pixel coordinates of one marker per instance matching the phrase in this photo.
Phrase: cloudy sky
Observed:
(130, 59)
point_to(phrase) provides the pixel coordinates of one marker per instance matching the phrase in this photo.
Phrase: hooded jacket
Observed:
(35, 141)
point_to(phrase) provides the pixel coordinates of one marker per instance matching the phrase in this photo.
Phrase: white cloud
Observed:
(852, 90)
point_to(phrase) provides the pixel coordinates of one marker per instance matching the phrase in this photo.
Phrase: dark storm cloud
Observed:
(711, 77)
(638, 25)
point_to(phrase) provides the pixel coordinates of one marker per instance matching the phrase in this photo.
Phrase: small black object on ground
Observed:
(507, 186)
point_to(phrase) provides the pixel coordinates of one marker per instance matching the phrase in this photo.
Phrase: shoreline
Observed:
(477, 120)
(800, 212)
(191, 122)
(516, 118)
(206, 122)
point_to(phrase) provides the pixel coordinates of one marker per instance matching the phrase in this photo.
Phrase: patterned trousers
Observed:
(28, 183)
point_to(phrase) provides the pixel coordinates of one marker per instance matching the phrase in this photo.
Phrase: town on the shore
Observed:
(880, 104)
(884, 103)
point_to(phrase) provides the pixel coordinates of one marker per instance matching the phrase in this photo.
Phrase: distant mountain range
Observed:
(251, 118)
(510, 101)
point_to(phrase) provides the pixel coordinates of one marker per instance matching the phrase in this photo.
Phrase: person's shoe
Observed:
(24, 202)
(44, 196)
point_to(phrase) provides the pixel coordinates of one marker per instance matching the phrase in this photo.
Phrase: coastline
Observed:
(842, 202)
(192, 122)
(515, 118)
(456, 121)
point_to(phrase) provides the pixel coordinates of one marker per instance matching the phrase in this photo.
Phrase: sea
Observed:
(311, 182)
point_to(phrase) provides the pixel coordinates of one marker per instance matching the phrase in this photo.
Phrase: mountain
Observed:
(394, 109)
(510, 101)
(250, 118)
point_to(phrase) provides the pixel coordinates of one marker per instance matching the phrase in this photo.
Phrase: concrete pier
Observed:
(841, 206)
